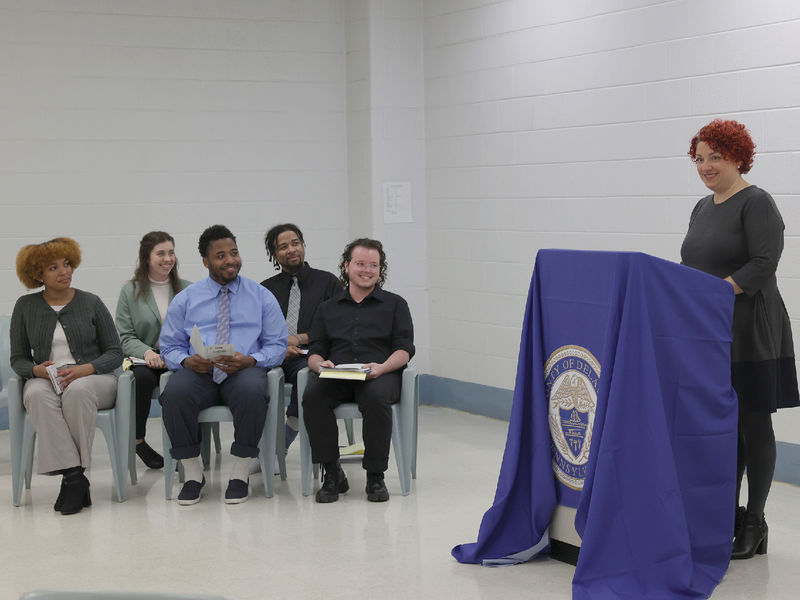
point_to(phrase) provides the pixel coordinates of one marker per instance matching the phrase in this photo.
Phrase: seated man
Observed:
(299, 289)
(363, 323)
(226, 308)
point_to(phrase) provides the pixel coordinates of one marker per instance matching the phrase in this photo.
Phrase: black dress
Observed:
(743, 238)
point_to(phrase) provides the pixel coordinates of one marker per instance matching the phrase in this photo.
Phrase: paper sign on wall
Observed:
(397, 202)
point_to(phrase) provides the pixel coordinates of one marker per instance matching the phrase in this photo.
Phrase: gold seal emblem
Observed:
(571, 375)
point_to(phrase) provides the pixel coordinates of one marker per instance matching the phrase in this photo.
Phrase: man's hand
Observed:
(325, 363)
(153, 360)
(69, 374)
(293, 351)
(237, 362)
(197, 363)
(375, 370)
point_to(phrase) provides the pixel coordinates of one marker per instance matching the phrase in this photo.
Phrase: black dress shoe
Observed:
(376, 488)
(190, 492)
(753, 538)
(149, 457)
(334, 482)
(76, 494)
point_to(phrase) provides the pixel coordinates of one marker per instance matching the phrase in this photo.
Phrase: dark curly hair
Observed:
(34, 258)
(729, 138)
(348, 253)
(271, 238)
(141, 277)
(212, 234)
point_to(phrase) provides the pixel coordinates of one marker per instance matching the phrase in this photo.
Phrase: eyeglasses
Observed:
(360, 264)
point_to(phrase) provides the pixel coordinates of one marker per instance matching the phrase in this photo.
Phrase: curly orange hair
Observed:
(729, 138)
(33, 258)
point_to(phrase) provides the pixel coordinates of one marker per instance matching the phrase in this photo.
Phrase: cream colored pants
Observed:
(65, 424)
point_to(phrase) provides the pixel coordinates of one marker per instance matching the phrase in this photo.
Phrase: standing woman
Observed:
(736, 233)
(141, 308)
(63, 326)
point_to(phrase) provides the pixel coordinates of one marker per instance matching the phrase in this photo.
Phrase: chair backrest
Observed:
(5, 351)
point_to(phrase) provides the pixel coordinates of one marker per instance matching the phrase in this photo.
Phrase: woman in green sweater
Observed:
(141, 307)
(72, 330)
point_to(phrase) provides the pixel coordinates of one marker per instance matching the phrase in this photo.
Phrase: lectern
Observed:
(624, 412)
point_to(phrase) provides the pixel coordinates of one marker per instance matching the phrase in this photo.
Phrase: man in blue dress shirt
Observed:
(226, 308)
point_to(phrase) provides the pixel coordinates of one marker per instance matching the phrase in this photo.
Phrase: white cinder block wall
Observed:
(566, 125)
(120, 116)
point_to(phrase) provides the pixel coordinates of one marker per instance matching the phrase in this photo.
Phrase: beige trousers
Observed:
(65, 424)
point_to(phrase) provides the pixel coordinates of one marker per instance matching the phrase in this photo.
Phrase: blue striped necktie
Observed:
(223, 327)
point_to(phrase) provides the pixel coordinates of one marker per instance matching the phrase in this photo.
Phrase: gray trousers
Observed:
(65, 424)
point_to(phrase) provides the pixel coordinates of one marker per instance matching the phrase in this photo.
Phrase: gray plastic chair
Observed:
(216, 414)
(116, 423)
(404, 419)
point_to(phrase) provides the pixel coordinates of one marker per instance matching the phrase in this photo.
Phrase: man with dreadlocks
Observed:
(299, 289)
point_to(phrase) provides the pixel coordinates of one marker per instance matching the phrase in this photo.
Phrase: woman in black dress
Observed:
(736, 233)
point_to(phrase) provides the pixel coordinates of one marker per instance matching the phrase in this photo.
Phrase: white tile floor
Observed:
(291, 547)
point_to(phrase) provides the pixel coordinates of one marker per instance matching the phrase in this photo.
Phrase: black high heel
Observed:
(752, 539)
(76, 494)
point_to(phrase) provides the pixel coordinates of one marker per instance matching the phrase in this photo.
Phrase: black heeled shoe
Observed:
(752, 539)
(76, 494)
(149, 457)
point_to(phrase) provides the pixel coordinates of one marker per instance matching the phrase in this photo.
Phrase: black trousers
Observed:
(187, 393)
(146, 381)
(291, 367)
(374, 397)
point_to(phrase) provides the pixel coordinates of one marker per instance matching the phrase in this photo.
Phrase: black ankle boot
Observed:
(60, 499)
(76, 492)
(753, 538)
(739, 522)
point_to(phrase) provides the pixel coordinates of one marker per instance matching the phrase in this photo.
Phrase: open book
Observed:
(351, 371)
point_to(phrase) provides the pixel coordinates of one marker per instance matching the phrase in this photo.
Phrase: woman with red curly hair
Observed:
(72, 330)
(736, 233)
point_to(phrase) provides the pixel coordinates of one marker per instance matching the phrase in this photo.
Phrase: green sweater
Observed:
(87, 324)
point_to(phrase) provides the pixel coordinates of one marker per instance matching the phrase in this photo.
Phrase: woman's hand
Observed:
(40, 370)
(69, 374)
(154, 360)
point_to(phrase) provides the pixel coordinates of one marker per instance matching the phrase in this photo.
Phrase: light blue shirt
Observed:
(258, 327)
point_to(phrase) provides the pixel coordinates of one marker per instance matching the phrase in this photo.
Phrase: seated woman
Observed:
(72, 330)
(141, 307)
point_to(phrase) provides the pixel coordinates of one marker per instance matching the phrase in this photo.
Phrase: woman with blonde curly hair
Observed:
(72, 330)
(736, 233)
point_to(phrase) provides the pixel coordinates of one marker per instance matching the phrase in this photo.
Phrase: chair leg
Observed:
(217, 443)
(305, 445)
(106, 424)
(399, 451)
(348, 425)
(206, 430)
(169, 463)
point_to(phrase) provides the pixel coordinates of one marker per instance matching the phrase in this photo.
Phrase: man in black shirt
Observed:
(302, 288)
(362, 323)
